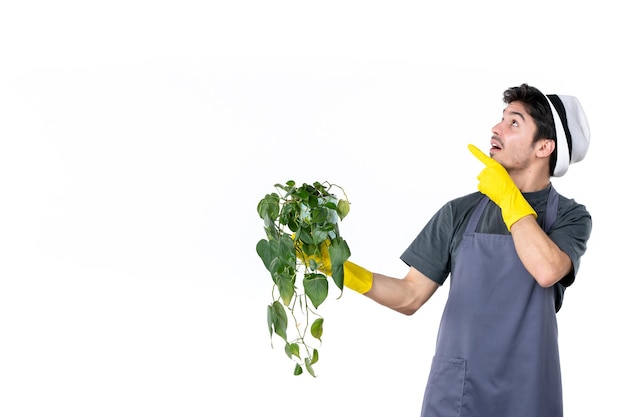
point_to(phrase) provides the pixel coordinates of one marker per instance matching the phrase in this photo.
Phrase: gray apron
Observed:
(497, 351)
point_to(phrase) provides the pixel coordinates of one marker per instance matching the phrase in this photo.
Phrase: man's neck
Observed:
(529, 182)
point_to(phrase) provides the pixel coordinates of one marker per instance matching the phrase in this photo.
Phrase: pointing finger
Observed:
(480, 155)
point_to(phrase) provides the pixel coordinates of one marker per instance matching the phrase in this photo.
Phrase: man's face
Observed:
(512, 138)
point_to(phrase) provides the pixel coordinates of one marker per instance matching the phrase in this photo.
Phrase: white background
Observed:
(136, 139)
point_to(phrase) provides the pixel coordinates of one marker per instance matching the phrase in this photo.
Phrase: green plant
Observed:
(300, 222)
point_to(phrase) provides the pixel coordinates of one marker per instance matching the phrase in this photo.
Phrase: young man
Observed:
(510, 250)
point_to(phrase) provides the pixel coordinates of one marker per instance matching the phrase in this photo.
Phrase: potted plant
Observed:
(302, 228)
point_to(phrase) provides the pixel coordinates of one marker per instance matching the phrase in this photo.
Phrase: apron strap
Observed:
(552, 208)
(478, 211)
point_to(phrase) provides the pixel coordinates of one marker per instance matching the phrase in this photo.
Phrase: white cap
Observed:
(572, 131)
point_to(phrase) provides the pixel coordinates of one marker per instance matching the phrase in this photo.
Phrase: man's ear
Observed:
(545, 147)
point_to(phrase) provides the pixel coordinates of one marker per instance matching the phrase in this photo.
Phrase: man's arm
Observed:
(404, 295)
(543, 259)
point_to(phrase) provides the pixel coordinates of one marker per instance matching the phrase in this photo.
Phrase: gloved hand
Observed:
(355, 277)
(496, 183)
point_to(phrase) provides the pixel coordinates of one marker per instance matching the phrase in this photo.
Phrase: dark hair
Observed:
(537, 105)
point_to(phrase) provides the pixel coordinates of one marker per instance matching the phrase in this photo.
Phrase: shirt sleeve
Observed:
(571, 233)
(429, 252)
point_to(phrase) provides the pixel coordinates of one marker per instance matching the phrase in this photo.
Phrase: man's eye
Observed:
(514, 123)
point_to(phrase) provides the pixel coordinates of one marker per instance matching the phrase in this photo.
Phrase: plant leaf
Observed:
(265, 253)
(295, 349)
(319, 215)
(288, 213)
(277, 254)
(316, 288)
(319, 236)
(270, 320)
(269, 208)
(309, 367)
(279, 320)
(286, 286)
(315, 357)
(297, 370)
(317, 328)
(343, 208)
(292, 349)
(339, 253)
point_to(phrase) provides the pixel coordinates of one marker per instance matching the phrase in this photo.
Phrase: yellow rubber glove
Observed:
(355, 277)
(496, 183)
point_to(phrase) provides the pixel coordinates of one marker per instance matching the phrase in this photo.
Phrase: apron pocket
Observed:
(444, 392)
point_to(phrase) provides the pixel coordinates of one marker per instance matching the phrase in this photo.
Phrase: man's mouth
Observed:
(495, 144)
